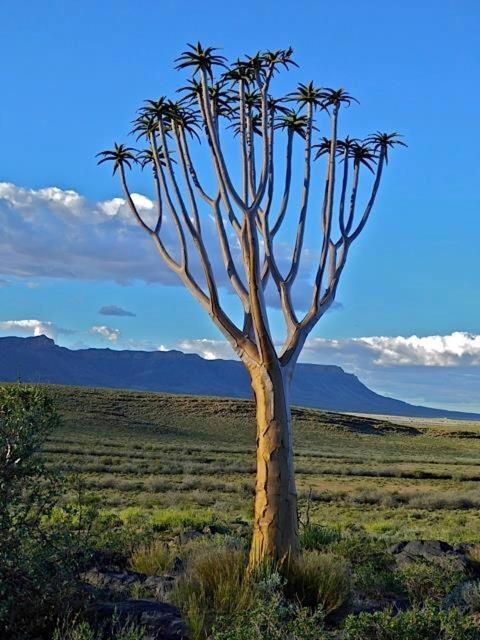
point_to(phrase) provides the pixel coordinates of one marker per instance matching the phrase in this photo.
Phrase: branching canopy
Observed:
(236, 100)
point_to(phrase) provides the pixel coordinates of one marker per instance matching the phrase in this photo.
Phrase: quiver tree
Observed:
(225, 104)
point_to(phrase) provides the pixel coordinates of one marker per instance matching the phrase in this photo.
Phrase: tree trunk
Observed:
(275, 521)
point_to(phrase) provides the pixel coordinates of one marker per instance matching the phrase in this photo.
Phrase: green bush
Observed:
(465, 597)
(314, 537)
(35, 577)
(72, 630)
(319, 579)
(152, 559)
(427, 623)
(373, 568)
(271, 617)
(214, 584)
(430, 580)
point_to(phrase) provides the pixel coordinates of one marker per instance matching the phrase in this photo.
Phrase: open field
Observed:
(183, 457)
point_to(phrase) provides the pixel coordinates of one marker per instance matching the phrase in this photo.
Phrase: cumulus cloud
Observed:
(438, 371)
(58, 233)
(112, 335)
(453, 350)
(208, 349)
(33, 327)
(456, 349)
(114, 310)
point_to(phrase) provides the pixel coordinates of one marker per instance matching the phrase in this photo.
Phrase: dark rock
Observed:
(108, 560)
(187, 536)
(427, 550)
(124, 582)
(370, 604)
(161, 621)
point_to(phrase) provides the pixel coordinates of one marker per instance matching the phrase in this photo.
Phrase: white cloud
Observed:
(208, 349)
(441, 371)
(59, 233)
(30, 328)
(112, 335)
(456, 349)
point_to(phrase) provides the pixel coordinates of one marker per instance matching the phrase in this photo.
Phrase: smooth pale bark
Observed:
(275, 520)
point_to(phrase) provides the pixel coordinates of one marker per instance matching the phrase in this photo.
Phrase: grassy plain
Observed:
(190, 460)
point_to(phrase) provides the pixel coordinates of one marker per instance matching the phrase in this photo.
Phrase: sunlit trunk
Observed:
(275, 521)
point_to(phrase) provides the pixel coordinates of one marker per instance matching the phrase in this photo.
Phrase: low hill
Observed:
(192, 417)
(327, 387)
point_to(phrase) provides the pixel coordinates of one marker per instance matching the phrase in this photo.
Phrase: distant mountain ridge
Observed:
(328, 387)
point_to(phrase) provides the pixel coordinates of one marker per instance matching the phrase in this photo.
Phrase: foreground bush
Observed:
(152, 559)
(315, 537)
(71, 630)
(34, 580)
(319, 579)
(416, 624)
(430, 580)
(215, 584)
(272, 618)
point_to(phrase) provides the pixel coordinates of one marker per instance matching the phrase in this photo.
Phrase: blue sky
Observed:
(76, 72)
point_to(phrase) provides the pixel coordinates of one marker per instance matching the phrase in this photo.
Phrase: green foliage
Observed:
(427, 623)
(27, 490)
(152, 559)
(271, 617)
(215, 584)
(35, 579)
(319, 579)
(466, 597)
(314, 537)
(372, 566)
(430, 580)
(73, 630)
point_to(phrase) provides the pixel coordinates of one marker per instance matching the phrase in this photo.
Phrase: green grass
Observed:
(190, 461)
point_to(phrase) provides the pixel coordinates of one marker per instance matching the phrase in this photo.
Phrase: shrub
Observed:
(36, 578)
(215, 583)
(314, 537)
(372, 566)
(415, 624)
(465, 597)
(319, 579)
(272, 618)
(73, 630)
(430, 580)
(361, 550)
(152, 559)
(473, 557)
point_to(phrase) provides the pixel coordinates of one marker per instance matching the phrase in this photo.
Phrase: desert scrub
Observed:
(271, 617)
(430, 580)
(73, 630)
(314, 537)
(152, 559)
(371, 565)
(319, 579)
(427, 623)
(215, 584)
(36, 570)
(466, 597)
(473, 557)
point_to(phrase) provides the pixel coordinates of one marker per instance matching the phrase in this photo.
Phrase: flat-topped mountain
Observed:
(39, 359)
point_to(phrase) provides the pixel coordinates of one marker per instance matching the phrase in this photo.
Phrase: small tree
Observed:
(247, 221)
(31, 582)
